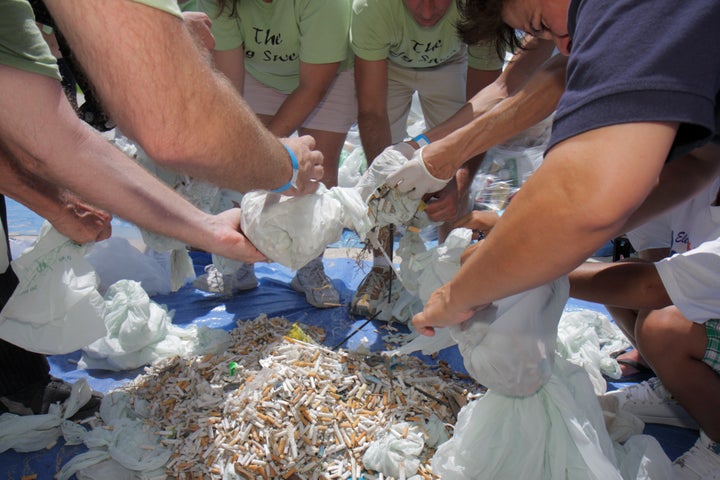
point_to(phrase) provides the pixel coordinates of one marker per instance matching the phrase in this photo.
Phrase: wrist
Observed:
(442, 172)
(421, 140)
(295, 169)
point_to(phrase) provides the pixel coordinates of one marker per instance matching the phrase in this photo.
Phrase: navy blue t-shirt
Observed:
(643, 60)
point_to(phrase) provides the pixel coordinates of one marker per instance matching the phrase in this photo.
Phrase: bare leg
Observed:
(675, 348)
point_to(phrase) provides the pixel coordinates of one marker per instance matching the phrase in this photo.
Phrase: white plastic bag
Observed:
(30, 433)
(556, 433)
(509, 346)
(293, 231)
(56, 307)
(126, 450)
(140, 331)
(352, 168)
(397, 452)
(116, 259)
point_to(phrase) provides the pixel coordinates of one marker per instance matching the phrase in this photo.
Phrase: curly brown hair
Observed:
(481, 21)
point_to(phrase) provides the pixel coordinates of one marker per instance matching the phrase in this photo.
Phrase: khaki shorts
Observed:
(441, 91)
(337, 112)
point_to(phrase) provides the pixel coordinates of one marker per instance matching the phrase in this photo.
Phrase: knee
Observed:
(661, 334)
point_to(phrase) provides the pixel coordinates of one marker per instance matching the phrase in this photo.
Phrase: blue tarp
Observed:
(273, 297)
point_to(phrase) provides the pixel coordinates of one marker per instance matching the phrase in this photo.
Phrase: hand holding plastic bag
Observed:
(414, 178)
(294, 230)
(510, 345)
(389, 161)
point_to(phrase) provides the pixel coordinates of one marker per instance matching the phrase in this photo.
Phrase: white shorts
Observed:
(337, 112)
(441, 91)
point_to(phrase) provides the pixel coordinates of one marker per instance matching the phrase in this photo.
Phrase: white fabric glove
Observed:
(414, 179)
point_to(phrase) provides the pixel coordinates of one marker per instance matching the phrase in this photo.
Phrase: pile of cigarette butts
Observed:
(279, 405)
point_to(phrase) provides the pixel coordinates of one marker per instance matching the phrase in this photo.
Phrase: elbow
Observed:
(174, 153)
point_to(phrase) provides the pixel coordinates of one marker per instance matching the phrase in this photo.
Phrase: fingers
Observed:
(419, 322)
(479, 220)
(229, 240)
(310, 165)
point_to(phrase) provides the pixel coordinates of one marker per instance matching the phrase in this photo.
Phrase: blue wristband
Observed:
(421, 140)
(295, 167)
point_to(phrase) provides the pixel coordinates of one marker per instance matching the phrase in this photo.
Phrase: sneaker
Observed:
(702, 461)
(213, 281)
(653, 403)
(317, 287)
(36, 399)
(372, 292)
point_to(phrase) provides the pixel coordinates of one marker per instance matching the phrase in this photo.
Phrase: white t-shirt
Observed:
(691, 274)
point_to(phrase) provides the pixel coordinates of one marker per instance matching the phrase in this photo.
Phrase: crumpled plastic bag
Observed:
(509, 346)
(352, 167)
(55, 308)
(587, 338)
(125, 450)
(117, 259)
(293, 231)
(422, 270)
(397, 452)
(30, 433)
(140, 331)
(556, 433)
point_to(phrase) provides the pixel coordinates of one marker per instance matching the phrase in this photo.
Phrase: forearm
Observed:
(466, 173)
(627, 284)
(315, 79)
(680, 180)
(515, 113)
(36, 193)
(579, 196)
(187, 117)
(293, 112)
(75, 157)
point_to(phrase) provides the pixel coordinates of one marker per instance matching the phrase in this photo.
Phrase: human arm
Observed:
(232, 64)
(40, 132)
(520, 110)
(525, 93)
(69, 215)
(371, 79)
(199, 25)
(631, 283)
(155, 81)
(582, 195)
(315, 79)
(452, 200)
(680, 180)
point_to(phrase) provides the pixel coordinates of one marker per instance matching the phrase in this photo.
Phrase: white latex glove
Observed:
(389, 160)
(414, 179)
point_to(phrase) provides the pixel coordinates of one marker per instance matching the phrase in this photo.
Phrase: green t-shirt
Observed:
(169, 6)
(384, 29)
(22, 45)
(277, 36)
